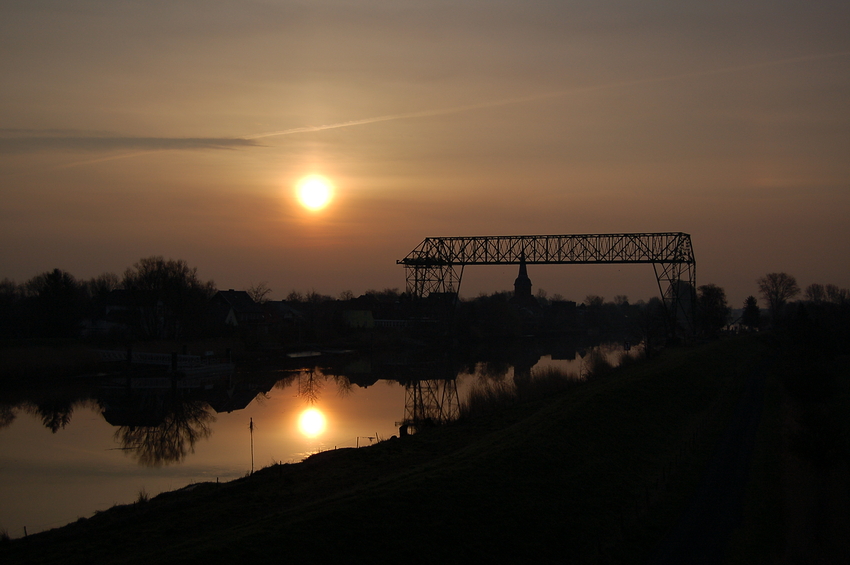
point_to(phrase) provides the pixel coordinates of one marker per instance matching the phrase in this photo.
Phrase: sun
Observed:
(314, 192)
(312, 422)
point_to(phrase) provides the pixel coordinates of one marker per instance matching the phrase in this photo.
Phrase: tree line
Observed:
(778, 289)
(162, 298)
(167, 299)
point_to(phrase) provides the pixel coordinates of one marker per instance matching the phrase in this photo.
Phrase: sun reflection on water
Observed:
(312, 423)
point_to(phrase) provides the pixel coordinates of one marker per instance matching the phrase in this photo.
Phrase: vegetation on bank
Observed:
(490, 396)
(597, 473)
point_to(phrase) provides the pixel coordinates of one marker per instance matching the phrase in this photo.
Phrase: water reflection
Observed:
(7, 415)
(55, 413)
(312, 381)
(429, 402)
(312, 422)
(182, 425)
(53, 407)
(160, 418)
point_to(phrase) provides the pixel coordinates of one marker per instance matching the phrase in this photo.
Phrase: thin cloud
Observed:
(35, 143)
(54, 140)
(547, 95)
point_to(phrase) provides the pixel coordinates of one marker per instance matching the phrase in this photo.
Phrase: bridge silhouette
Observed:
(435, 268)
(436, 265)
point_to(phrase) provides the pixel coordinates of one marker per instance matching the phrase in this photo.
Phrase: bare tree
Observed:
(388, 294)
(314, 297)
(777, 289)
(259, 292)
(294, 296)
(837, 295)
(815, 293)
(102, 284)
(169, 297)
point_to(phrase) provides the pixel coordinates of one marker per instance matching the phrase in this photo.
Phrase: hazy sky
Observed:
(131, 128)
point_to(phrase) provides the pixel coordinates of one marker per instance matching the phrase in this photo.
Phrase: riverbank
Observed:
(600, 473)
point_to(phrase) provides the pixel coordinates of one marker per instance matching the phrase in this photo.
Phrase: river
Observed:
(70, 453)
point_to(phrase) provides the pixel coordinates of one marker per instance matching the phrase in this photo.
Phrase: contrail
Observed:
(403, 116)
(543, 96)
(497, 103)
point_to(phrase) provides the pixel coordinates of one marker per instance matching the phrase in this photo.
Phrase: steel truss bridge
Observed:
(436, 266)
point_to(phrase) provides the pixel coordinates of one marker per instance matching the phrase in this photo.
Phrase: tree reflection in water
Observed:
(310, 384)
(54, 414)
(174, 438)
(7, 415)
(312, 381)
(55, 410)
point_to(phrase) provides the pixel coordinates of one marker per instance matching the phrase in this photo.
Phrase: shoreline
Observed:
(599, 473)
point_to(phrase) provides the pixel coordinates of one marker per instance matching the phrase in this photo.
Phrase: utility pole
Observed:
(251, 428)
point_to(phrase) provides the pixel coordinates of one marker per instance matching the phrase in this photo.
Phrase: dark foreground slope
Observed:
(600, 473)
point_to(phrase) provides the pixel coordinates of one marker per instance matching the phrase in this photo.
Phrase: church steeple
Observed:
(522, 297)
(522, 284)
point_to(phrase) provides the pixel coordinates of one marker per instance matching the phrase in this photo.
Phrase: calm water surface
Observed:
(50, 479)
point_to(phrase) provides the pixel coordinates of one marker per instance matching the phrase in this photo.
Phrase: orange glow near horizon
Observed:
(314, 192)
(312, 423)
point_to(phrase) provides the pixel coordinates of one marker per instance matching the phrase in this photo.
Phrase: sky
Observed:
(130, 129)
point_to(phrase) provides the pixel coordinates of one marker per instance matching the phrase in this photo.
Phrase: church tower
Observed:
(522, 284)
(522, 297)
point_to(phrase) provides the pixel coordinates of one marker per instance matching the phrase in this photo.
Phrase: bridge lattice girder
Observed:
(552, 249)
(430, 401)
(436, 265)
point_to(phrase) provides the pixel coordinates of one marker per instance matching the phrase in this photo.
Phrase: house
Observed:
(236, 309)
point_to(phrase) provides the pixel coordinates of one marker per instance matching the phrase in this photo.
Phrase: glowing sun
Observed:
(314, 192)
(311, 422)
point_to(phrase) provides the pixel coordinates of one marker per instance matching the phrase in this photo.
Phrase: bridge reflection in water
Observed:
(160, 417)
(160, 423)
(177, 430)
(429, 402)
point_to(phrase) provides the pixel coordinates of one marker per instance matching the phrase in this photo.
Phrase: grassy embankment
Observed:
(799, 490)
(597, 473)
